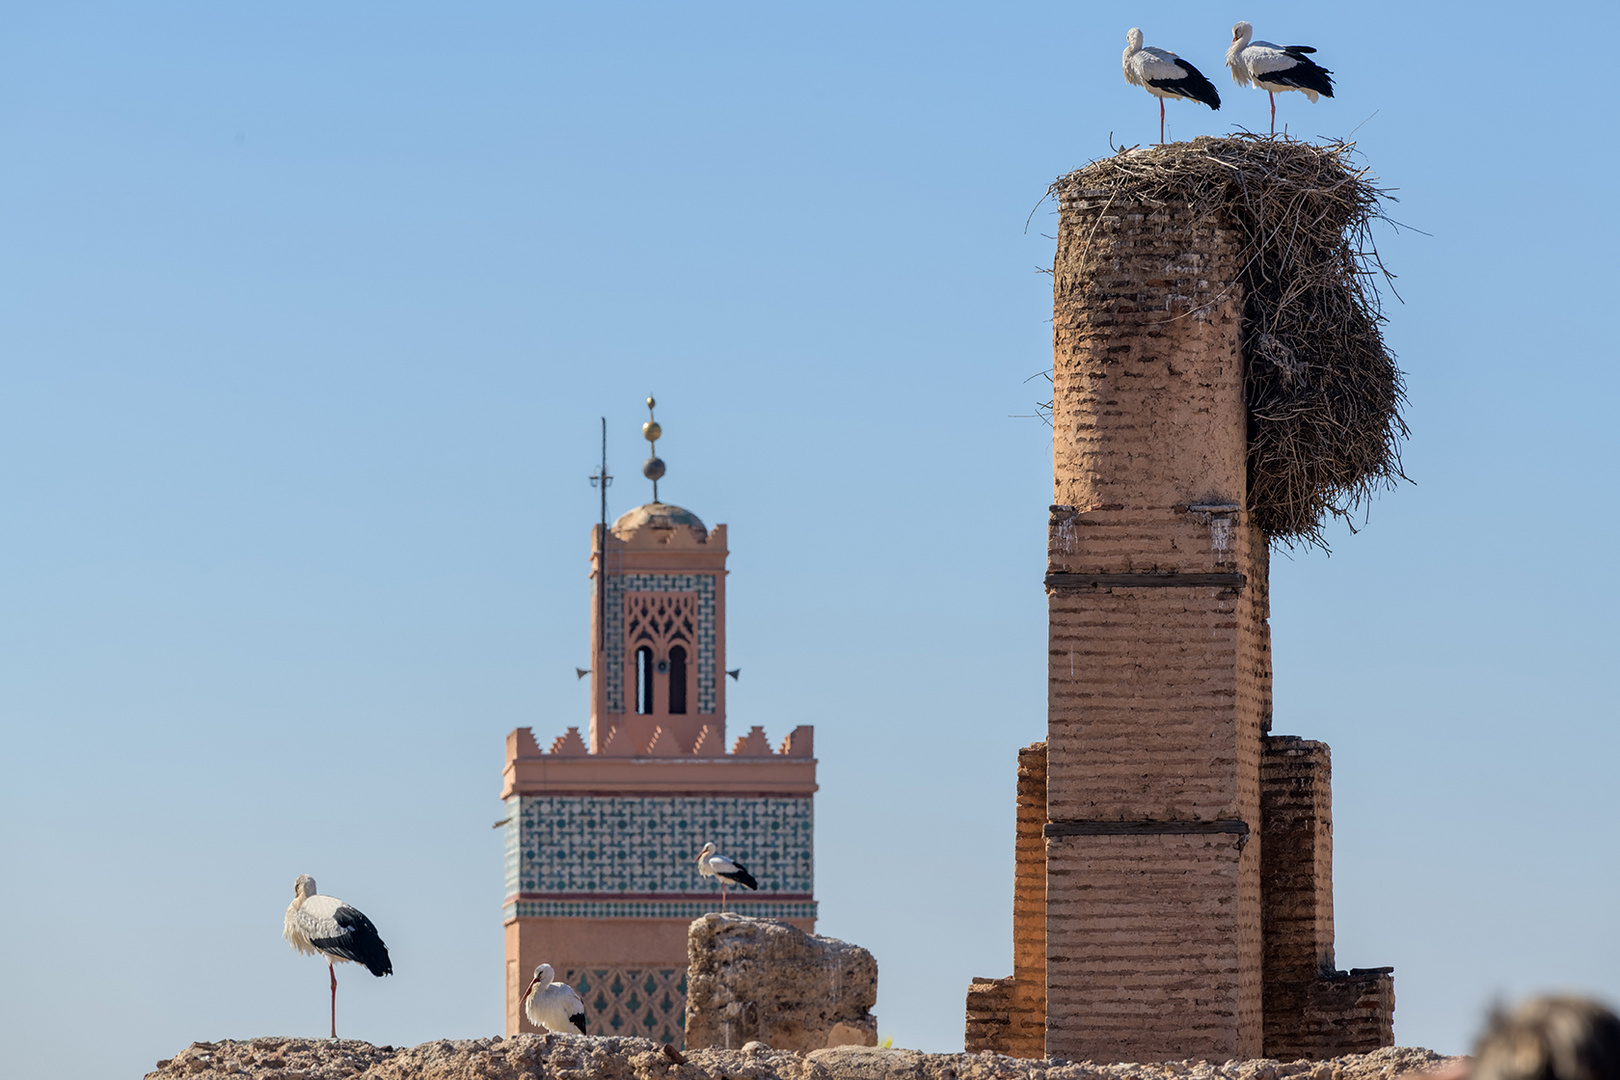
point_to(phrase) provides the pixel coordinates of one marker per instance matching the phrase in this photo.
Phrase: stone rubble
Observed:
(766, 981)
(578, 1057)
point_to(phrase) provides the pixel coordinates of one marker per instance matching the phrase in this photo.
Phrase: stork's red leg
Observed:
(333, 972)
(1273, 97)
(1161, 121)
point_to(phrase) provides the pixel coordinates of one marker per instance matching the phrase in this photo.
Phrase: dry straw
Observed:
(1324, 395)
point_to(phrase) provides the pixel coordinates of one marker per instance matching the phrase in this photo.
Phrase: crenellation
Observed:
(520, 743)
(800, 742)
(568, 744)
(754, 744)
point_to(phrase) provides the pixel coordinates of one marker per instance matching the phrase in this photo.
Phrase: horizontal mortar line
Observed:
(1145, 581)
(1143, 828)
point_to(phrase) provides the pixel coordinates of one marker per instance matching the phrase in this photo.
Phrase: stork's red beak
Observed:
(525, 995)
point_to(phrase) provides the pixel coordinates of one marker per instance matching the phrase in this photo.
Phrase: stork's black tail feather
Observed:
(1307, 74)
(1192, 86)
(578, 1020)
(742, 877)
(359, 942)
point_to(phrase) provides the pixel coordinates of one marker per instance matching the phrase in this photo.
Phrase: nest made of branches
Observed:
(1324, 396)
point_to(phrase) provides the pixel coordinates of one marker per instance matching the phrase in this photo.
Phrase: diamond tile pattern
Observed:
(632, 844)
(649, 1002)
(744, 904)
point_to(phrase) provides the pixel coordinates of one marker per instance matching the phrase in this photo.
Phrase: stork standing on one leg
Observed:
(1164, 74)
(1274, 68)
(325, 926)
(727, 871)
(552, 1005)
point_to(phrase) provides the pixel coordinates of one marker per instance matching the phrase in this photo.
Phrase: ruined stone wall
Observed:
(1159, 668)
(527, 1057)
(1008, 1016)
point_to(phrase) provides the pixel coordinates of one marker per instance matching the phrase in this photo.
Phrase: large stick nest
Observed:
(1324, 395)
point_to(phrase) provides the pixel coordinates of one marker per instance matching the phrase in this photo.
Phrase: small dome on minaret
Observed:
(657, 515)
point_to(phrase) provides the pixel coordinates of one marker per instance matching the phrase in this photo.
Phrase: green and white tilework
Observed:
(635, 845)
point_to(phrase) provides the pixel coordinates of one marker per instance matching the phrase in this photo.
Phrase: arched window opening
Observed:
(677, 679)
(644, 680)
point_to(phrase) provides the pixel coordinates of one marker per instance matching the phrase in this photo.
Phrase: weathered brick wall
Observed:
(1029, 905)
(989, 1015)
(1008, 1016)
(1345, 1012)
(1311, 1010)
(1143, 930)
(1296, 868)
(1158, 689)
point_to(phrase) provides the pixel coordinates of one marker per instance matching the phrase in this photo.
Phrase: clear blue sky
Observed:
(307, 315)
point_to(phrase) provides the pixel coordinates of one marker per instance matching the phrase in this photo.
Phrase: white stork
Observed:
(1164, 74)
(1275, 67)
(728, 871)
(551, 1005)
(326, 926)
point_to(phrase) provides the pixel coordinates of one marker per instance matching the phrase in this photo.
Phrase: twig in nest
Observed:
(1324, 395)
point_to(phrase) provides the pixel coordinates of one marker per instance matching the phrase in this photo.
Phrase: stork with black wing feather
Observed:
(325, 926)
(1274, 68)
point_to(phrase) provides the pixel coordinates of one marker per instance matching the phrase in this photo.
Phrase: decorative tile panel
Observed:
(617, 585)
(738, 901)
(633, 844)
(512, 842)
(648, 1002)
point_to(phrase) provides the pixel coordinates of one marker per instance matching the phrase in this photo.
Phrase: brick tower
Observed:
(1166, 930)
(602, 835)
(1160, 673)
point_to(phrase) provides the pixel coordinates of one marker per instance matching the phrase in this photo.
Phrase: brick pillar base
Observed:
(1347, 1012)
(1008, 1016)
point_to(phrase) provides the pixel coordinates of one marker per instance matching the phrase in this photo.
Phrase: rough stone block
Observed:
(761, 979)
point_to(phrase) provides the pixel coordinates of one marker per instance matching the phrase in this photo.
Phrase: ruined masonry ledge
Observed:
(576, 1057)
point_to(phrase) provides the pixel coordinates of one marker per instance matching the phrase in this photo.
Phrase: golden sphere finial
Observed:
(651, 429)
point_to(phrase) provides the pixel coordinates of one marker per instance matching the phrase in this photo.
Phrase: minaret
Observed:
(602, 832)
(658, 656)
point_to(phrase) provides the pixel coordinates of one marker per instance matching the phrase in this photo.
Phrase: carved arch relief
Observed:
(699, 623)
(660, 631)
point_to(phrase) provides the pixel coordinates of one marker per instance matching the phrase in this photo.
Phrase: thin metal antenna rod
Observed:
(602, 480)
